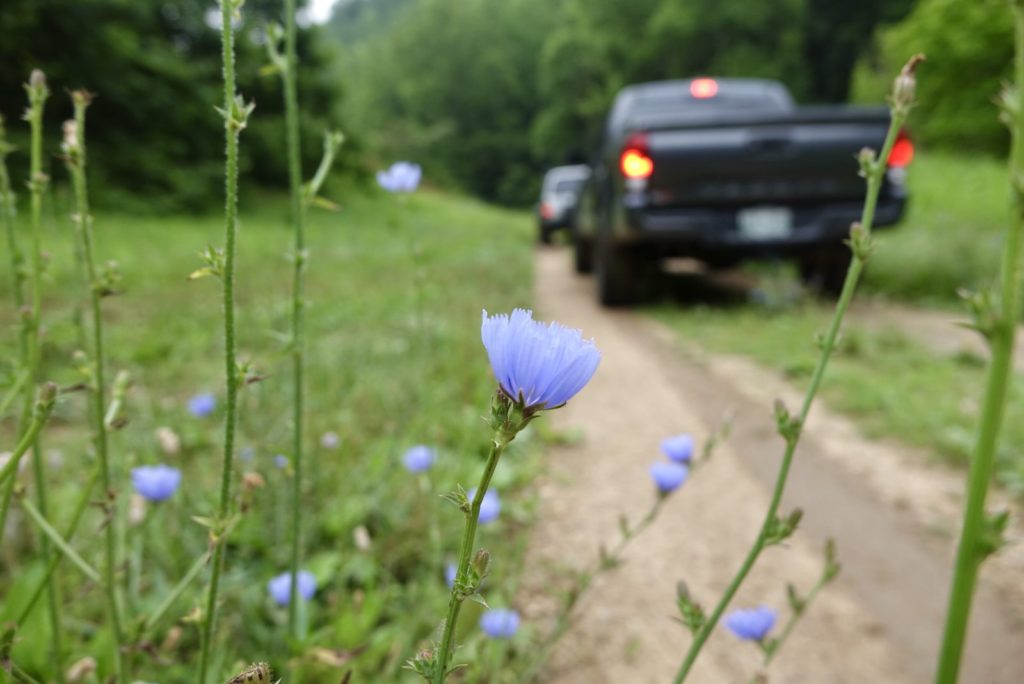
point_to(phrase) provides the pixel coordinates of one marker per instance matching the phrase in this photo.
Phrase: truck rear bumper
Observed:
(714, 234)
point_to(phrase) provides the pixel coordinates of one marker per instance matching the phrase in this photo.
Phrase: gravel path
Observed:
(891, 513)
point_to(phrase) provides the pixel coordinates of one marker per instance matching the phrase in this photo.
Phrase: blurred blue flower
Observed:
(156, 483)
(668, 476)
(679, 448)
(281, 461)
(418, 459)
(540, 365)
(450, 572)
(281, 586)
(499, 623)
(247, 454)
(490, 505)
(330, 440)
(752, 624)
(202, 405)
(401, 177)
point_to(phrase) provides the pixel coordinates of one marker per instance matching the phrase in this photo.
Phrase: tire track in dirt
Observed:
(879, 623)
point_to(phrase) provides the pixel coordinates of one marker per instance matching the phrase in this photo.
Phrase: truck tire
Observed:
(618, 270)
(543, 234)
(825, 271)
(582, 254)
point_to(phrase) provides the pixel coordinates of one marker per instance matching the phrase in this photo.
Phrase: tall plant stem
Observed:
(75, 152)
(291, 110)
(38, 181)
(875, 175)
(465, 555)
(977, 540)
(234, 120)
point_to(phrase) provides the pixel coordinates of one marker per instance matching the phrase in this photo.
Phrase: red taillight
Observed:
(703, 88)
(902, 151)
(635, 161)
(546, 211)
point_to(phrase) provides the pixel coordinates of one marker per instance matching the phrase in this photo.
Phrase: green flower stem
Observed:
(38, 181)
(13, 392)
(76, 517)
(154, 618)
(498, 445)
(974, 546)
(291, 102)
(22, 676)
(607, 561)
(8, 211)
(875, 176)
(58, 541)
(40, 414)
(234, 113)
(75, 151)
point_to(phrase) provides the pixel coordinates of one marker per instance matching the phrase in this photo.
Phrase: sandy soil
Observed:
(892, 514)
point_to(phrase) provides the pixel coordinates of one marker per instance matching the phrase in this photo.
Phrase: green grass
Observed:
(889, 384)
(952, 234)
(395, 290)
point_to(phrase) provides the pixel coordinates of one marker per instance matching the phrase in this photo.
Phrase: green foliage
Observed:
(970, 52)
(952, 235)
(155, 67)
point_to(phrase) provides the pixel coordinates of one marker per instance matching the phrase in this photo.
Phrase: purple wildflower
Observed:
(156, 483)
(450, 572)
(401, 177)
(668, 476)
(679, 448)
(330, 440)
(490, 505)
(202, 405)
(281, 461)
(499, 623)
(280, 587)
(418, 459)
(247, 454)
(751, 624)
(542, 366)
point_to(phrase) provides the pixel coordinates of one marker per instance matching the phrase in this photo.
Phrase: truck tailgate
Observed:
(807, 156)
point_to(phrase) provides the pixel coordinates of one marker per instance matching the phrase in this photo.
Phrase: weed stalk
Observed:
(74, 149)
(982, 534)
(235, 114)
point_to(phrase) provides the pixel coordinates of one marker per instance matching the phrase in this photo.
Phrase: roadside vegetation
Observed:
(394, 361)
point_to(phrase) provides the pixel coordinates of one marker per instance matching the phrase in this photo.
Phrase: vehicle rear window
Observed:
(568, 185)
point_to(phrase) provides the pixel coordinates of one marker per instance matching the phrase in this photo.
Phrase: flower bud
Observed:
(70, 144)
(904, 87)
(481, 562)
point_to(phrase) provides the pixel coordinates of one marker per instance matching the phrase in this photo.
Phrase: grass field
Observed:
(395, 293)
(952, 233)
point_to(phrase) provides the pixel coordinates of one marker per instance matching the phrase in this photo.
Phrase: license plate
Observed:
(765, 223)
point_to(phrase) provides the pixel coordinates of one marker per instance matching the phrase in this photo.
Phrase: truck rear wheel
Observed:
(618, 274)
(825, 271)
(582, 254)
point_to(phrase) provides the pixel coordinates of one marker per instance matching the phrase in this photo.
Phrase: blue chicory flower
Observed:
(539, 365)
(500, 623)
(418, 459)
(450, 572)
(752, 624)
(281, 461)
(403, 176)
(156, 483)
(246, 454)
(668, 476)
(490, 505)
(202, 405)
(679, 448)
(281, 586)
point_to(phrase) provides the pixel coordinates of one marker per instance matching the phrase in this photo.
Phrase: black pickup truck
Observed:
(723, 171)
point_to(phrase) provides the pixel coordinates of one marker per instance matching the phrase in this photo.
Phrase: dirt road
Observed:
(891, 512)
